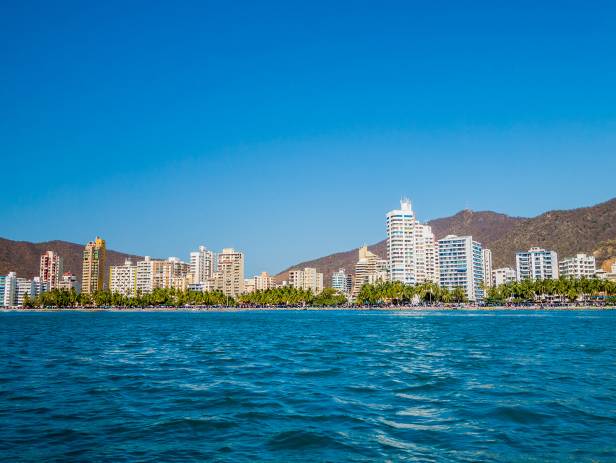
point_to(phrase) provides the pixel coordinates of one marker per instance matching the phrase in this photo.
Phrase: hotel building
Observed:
(578, 266)
(536, 264)
(461, 265)
(93, 277)
(50, 269)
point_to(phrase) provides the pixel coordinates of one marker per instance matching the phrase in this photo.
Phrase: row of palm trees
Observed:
(170, 297)
(562, 290)
(398, 293)
(379, 293)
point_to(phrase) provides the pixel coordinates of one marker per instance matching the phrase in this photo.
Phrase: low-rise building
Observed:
(503, 275)
(578, 266)
(68, 282)
(369, 269)
(307, 279)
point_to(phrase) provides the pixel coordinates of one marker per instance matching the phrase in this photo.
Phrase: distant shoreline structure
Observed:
(465, 308)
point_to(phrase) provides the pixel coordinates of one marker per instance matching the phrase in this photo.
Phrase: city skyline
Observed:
(337, 99)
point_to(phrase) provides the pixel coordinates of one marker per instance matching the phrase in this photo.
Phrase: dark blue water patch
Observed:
(308, 386)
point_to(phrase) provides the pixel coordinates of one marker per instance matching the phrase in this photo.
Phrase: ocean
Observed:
(285, 386)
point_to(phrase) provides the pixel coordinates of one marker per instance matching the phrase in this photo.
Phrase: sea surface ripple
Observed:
(308, 386)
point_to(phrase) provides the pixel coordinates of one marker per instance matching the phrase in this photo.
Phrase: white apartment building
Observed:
(487, 267)
(230, 275)
(426, 255)
(461, 265)
(503, 275)
(201, 265)
(342, 282)
(307, 279)
(412, 255)
(401, 243)
(123, 279)
(9, 298)
(50, 269)
(578, 266)
(536, 264)
(145, 272)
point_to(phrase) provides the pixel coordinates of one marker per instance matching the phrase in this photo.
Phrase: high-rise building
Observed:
(2, 289)
(50, 269)
(426, 255)
(230, 275)
(369, 268)
(307, 279)
(487, 267)
(123, 279)
(201, 265)
(411, 248)
(536, 264)
(578, 266)
(145, 272)
(68, 282)
(10, 290)
(503, 275)
(401, 243)
(342, 282)
(461, 265)
(93, 278)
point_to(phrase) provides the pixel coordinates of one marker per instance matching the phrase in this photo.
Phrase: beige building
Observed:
(123, 279)
(230, 275)
(93, 276)
(260, 282)
(50, 269)
(307, 279)
(369, 268)
(426, 255)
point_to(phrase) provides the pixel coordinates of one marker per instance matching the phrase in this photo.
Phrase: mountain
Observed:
(24, 257)
(589, 229)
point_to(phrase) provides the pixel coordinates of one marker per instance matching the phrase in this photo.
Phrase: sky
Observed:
(288, 129)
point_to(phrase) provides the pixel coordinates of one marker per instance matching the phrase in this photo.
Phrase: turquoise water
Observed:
(308, 386)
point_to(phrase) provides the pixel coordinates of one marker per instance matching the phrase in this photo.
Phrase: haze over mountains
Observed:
(589, 229)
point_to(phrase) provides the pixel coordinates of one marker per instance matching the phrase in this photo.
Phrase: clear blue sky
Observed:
(288, 129)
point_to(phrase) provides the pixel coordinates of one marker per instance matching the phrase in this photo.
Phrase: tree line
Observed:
(380, 293)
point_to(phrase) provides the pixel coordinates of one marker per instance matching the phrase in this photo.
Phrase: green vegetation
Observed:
(561, 290)
(395, 292)
(285, 296)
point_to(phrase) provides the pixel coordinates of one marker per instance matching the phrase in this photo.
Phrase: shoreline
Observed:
(301, 309)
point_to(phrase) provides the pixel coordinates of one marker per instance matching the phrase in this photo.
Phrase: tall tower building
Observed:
(201, 265)
(461, 265)
(93, 276)
(401, 243)
(230, 276)
(487, 267)
(50, 270)
(426, 255)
